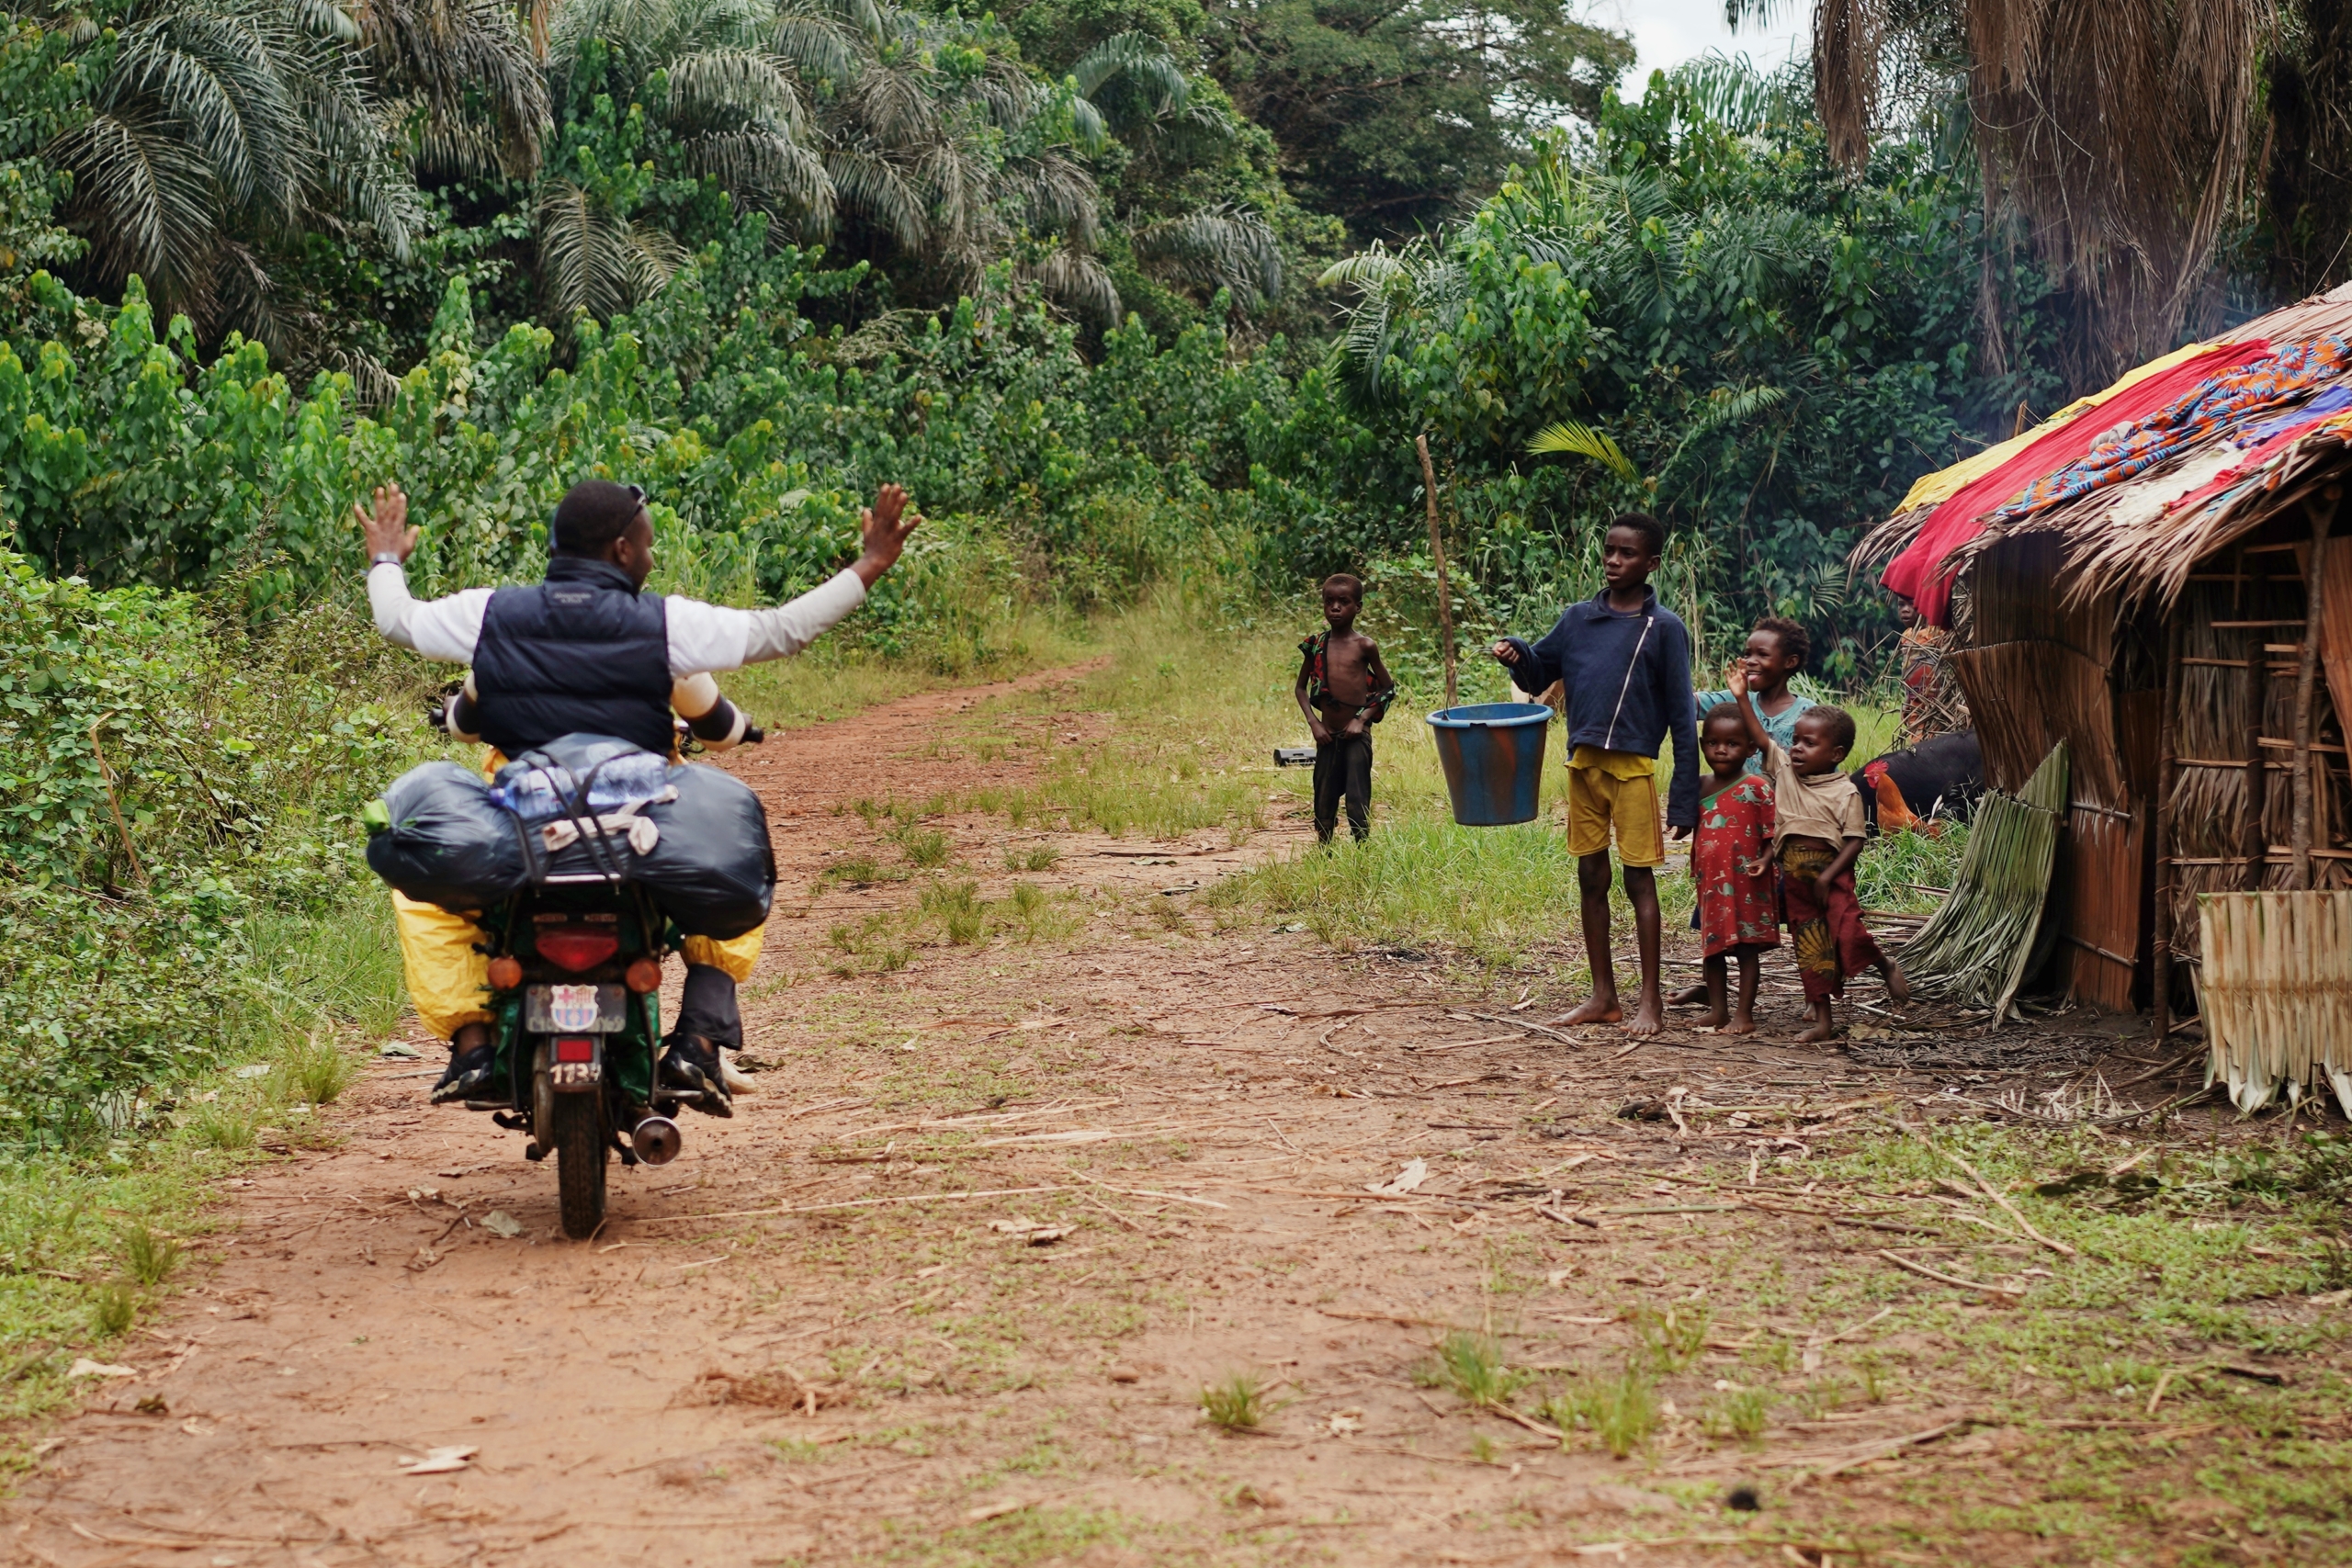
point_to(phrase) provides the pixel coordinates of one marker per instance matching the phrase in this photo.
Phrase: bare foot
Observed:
(1598, 1009)
(1896, 985)
(1649, 1018)
(1742, 1024)
(1695, 996)
(1715, 1018)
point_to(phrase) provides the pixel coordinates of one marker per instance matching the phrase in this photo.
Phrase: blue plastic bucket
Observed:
(1493, 758)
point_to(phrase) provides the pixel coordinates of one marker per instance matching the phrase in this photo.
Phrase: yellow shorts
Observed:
(447, 975)
(1598, 800)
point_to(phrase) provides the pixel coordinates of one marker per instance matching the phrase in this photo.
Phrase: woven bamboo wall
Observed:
(2041, 672)
(2233, 675)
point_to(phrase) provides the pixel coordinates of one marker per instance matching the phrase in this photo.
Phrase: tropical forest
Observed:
(1162, 312)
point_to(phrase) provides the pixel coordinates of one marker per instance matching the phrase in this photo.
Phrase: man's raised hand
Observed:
(386, 528)
(885, 526)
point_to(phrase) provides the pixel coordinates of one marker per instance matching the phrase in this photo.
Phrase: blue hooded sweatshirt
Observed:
(1628, 685)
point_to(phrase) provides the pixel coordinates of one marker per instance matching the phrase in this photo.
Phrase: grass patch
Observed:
(1621, 1411)
(1198, 701)
(1472, 1366)
(87, 1238)
(1235, 1404)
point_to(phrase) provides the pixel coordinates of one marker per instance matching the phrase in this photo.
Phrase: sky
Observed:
(1668, 32)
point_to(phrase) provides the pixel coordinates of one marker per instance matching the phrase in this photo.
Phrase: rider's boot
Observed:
(708, 1022)
(473, 1060)
(690, 1064)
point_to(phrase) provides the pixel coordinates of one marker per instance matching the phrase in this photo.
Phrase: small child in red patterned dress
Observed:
(1731, 864)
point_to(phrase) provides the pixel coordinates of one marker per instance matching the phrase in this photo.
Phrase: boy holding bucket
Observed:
(1624, 662)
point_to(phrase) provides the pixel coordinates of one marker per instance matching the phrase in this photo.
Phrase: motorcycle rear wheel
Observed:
(577, 1135)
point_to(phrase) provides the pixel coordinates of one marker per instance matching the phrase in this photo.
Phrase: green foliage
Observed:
(169, 783)
(1774, 348)
(1393, 116)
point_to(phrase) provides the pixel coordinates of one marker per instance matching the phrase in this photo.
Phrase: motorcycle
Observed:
(575, 980)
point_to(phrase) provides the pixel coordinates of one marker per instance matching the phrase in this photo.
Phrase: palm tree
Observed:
(921, 132)
(222, 127)
(459, 82)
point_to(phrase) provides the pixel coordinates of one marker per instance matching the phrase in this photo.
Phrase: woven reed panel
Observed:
(2018, 597)
(2103, 874)
(2027, 696)
(2275, 990)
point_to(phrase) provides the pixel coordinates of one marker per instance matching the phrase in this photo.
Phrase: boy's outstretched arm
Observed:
(1533, 667)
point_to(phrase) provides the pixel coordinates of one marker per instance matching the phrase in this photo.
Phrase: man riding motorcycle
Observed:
(586, 651)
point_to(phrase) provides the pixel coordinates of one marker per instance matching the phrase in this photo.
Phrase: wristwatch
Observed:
(383, 557)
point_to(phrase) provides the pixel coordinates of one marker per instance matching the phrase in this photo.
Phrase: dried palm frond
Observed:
(1847, 37)
(2116, 135)
(2274, 992)
(1977, 948)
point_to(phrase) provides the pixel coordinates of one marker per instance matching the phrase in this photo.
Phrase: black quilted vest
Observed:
(582, 651)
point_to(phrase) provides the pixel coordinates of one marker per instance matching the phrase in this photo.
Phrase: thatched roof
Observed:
(2140, 534)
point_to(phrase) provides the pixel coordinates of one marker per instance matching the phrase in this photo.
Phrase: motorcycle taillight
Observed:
(569, 947)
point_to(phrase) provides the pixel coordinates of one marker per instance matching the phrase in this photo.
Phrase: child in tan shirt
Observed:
(1817, 838)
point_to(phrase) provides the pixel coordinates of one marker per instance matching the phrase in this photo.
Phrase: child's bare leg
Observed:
(1592, 890)
(1649, 1010)
(1743, 1017)
(1821, 1030)
(1892, 973)
(1715, 989)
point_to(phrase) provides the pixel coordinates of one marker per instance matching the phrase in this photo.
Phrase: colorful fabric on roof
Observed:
(1930, 490)
(2191, 420)
(1919, 574)
(2254, 450)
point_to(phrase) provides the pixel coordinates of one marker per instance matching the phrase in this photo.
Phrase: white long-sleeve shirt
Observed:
(703, 638)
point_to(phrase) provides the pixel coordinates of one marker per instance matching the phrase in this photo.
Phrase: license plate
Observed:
(575, 1010)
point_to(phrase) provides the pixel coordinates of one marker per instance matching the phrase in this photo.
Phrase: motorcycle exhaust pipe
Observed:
(657, 1140)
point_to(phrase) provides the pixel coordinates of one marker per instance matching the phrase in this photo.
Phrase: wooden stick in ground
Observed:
(2323, 513)
(1436, 558)
(2023, 1223)
(106, 778)
(2167, 744)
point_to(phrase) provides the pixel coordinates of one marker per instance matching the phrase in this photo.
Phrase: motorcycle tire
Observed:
(577, 1135)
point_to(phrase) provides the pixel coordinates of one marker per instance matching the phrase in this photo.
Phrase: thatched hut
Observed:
(2136, 576)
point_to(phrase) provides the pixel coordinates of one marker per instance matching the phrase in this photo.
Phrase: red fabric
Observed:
(1919, 574)
(1825, 920)
(1736, 907)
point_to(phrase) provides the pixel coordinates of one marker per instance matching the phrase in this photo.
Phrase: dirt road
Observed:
(949, 1287)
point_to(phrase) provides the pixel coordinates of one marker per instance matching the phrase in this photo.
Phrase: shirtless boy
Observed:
(1343, 689)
